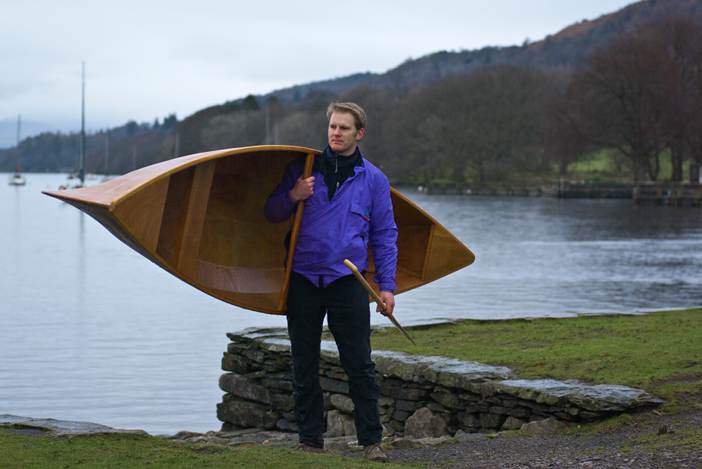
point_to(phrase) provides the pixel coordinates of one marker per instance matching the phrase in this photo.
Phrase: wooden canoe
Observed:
(200, 217)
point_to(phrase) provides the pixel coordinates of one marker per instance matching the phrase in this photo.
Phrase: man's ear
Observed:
(360, 134)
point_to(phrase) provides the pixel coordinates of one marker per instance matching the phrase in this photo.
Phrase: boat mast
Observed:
(19, 126)
(81, 170)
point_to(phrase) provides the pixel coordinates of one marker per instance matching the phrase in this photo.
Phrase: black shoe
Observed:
(309, 448)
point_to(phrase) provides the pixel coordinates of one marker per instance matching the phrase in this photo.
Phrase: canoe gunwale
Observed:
(148, 175)
(203, 157)
(63, 197)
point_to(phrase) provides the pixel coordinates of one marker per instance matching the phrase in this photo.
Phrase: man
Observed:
(347, 206)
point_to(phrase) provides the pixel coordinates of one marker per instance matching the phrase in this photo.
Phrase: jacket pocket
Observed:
(360, 219)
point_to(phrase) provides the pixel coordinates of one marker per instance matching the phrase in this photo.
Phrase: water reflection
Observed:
(80, 283)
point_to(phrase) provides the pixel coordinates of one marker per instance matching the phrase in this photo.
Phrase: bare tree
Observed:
(483, 128)
(564, 142)
(621, 99)
(682, 39)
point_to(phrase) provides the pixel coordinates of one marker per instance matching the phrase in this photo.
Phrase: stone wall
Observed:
(420, 396)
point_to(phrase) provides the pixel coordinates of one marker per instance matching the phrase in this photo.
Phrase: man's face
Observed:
(342, 134)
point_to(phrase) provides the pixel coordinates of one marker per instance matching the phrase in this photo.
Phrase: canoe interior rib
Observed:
(213, 231)
(201, 218)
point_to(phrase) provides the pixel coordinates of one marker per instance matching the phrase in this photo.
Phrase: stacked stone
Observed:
(259, 385)
(420, 396)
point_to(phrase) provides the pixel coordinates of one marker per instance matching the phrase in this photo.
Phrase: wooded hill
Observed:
(630, 81)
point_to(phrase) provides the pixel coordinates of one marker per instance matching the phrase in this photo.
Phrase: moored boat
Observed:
(200, 217)
(17, 180)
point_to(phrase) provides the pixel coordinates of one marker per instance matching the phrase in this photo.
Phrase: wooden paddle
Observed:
(377, 299)
(294, 231)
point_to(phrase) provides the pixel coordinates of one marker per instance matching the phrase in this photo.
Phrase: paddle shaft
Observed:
(294, 231)
(359, 276)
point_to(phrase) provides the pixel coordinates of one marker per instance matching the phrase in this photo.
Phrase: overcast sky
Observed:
(146, 59)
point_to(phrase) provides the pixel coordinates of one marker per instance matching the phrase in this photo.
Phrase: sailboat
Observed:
(17, 179)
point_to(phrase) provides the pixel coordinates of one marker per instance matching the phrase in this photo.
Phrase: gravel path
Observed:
(619, 448)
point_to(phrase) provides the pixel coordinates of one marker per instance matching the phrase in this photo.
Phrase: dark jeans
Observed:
(346, 303)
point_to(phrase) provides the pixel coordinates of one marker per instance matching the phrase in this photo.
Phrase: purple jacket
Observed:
(333, 230)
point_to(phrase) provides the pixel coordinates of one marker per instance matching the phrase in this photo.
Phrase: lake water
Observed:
(90, 330)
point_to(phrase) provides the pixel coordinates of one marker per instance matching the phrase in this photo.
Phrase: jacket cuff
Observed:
(289, 204)
(387, 286)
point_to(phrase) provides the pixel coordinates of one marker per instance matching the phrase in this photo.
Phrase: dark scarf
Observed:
(336, 168)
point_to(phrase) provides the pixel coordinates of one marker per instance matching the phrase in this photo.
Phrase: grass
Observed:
(600, 163)
(602, 166)
(138, 451)
(690, 439)
(659, 352)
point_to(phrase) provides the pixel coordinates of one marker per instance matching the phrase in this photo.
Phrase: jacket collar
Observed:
(328, 159)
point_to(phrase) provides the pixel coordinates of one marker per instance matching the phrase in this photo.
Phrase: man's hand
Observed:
(303, 189)
(389, 300)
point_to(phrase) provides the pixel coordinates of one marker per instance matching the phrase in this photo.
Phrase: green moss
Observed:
(136, 451)
(659, 352)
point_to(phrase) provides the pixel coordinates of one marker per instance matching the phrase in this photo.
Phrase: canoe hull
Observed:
(200, 217)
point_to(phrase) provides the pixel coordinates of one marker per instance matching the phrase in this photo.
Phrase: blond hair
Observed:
(359, 115)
